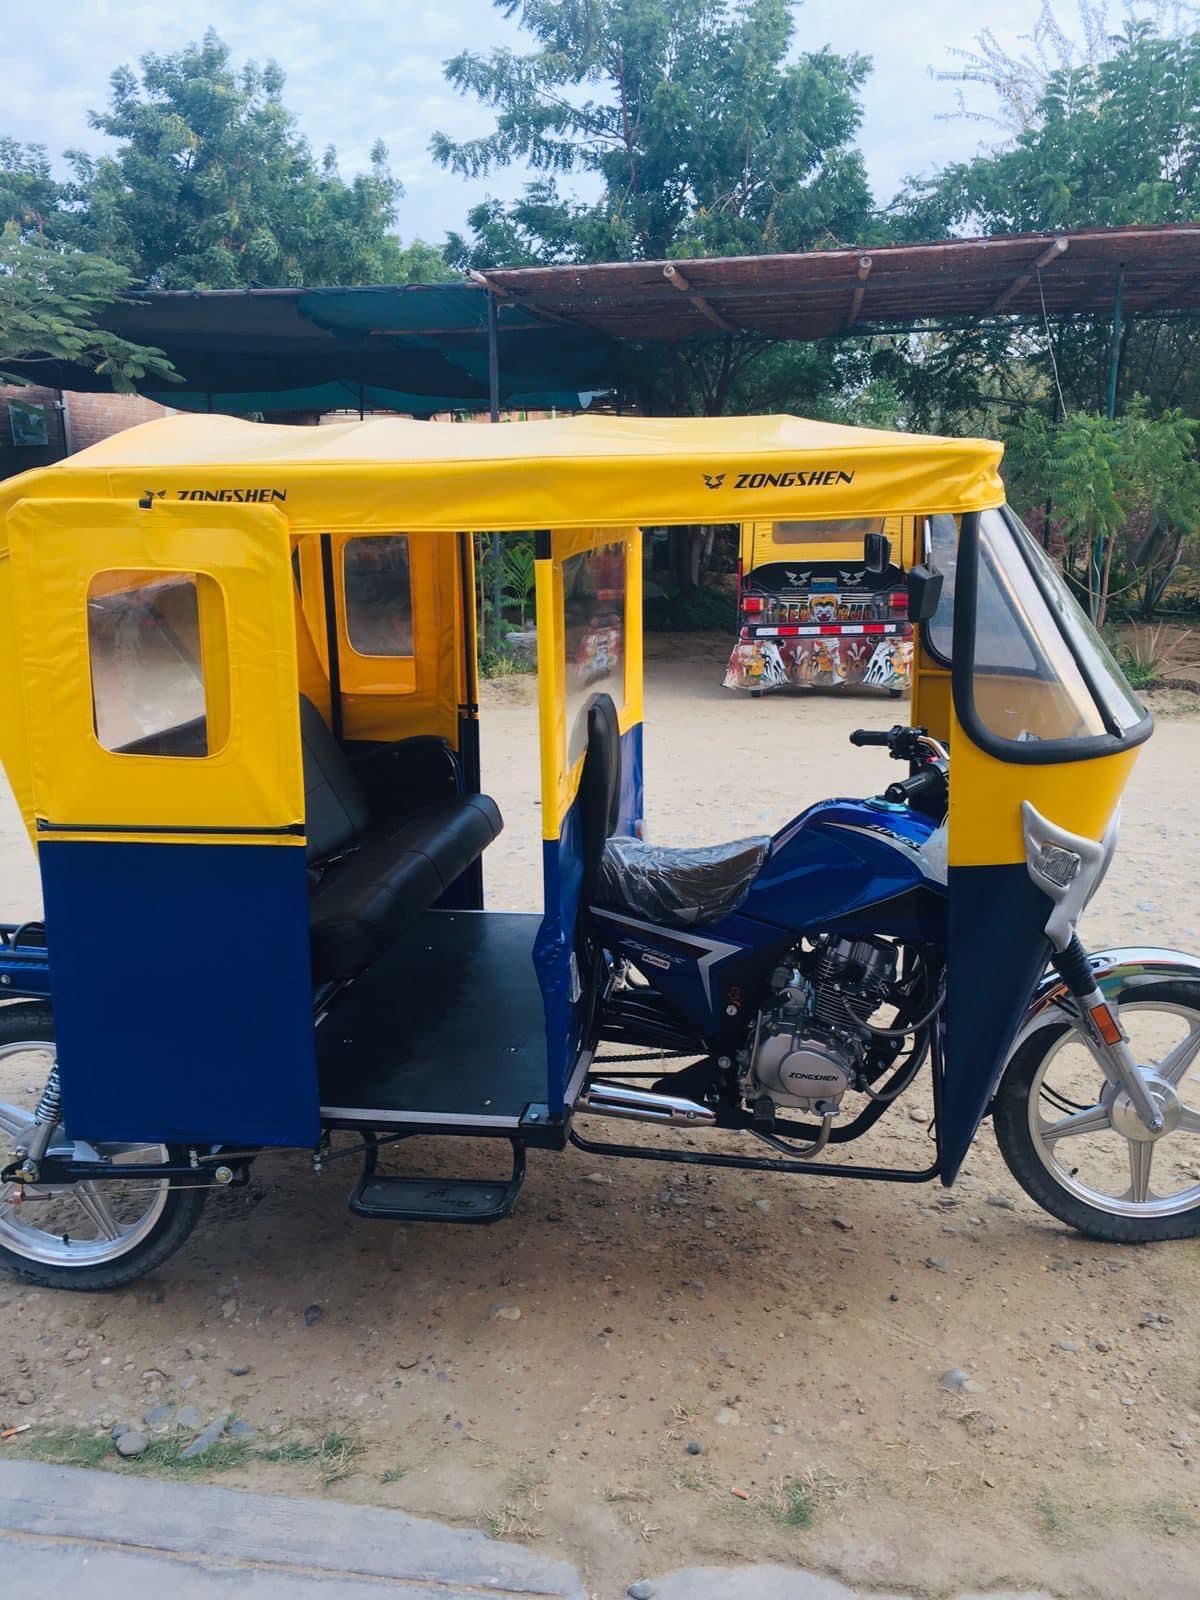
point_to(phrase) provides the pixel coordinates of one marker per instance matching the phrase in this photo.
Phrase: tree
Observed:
(212, 186)
(705, 137)
(1109, 142)
(49, 302)
(1125, 495)
(702, 133)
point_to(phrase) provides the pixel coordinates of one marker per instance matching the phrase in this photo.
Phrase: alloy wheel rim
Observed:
(1058, 1139)
(115, 1234)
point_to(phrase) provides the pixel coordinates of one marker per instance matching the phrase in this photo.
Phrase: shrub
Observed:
(692, 611)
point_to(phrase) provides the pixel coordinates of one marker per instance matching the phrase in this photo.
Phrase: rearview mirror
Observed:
(924, 592)
(877, 552)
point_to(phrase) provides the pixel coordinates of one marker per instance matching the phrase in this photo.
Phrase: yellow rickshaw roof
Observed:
(571, 472)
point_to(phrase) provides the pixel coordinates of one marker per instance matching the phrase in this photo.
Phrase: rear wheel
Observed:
(92, 1235)
(1075, 1144)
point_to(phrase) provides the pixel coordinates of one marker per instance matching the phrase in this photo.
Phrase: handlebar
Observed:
(901, 743)
(929, 783)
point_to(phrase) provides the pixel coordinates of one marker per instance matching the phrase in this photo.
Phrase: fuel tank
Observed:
(843, 858)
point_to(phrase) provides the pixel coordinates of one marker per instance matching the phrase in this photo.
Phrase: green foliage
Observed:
(1108, 135)
(707, 134)
(1123, 493)
(50, 299)
(518, 569)
(691, 611)
(212, 186)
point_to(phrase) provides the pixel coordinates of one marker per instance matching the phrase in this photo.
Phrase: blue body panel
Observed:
(182, 991)
(997, 922)
(842, 865)
(554, 947)
(24, 967)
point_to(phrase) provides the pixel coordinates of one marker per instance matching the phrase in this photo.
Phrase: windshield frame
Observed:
(1032, 752)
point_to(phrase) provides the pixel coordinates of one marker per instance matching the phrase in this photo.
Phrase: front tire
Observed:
(1073, 1143)
(91, 1236)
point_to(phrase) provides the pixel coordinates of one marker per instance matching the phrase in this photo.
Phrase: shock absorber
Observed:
(45, 1120)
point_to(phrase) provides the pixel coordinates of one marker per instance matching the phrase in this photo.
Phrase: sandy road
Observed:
(796, 1332)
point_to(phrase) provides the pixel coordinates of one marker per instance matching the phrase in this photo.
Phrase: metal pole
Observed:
(1114, 347)
(493, 339)
(1110, 411)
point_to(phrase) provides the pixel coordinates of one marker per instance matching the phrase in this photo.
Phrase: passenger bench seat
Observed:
(374, 878)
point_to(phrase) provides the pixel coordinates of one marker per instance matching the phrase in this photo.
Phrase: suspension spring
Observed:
(49, 1107)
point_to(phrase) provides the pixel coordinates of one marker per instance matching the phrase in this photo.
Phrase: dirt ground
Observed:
(544, 1379)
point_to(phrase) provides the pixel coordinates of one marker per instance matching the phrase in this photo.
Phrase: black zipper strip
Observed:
(289, 829)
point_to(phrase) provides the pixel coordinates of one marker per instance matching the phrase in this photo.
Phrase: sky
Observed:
(358, 70)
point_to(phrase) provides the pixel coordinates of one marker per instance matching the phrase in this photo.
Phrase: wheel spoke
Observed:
(1141, 1154)
(1094, 1120)
(1189, 1121)
(1173, 1066)
(98, 1209)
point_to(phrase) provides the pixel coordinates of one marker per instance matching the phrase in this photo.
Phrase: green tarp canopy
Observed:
(420, 348)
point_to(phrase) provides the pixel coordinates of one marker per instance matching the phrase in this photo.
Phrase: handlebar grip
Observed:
(930, 780)
(862, 736)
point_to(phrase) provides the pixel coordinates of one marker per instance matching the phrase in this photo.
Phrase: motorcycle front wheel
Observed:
(91, 1235)
(1075, 1144)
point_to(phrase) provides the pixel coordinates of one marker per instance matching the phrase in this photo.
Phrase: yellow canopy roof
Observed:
(575, 472)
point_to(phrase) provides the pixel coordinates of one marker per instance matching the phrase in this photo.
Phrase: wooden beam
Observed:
(512, 299)
(1051, 253)
(860, 289)
(677, 281)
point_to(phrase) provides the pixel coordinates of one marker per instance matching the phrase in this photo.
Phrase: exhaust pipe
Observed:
(640, 1105)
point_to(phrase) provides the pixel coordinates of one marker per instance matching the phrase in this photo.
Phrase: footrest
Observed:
(414, 1198)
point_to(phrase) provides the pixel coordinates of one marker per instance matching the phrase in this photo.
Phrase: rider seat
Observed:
(372, 879)
(670, 888)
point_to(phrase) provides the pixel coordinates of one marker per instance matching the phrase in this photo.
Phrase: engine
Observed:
(808, 1045)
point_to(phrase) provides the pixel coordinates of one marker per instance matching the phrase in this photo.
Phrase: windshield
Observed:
(1040, 672)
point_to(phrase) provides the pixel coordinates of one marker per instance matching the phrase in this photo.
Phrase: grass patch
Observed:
(797, 1502)
(516, 1516)
(333, 1454)
(1053, 1519)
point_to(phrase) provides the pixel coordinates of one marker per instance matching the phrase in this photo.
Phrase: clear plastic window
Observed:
(594, 634)
(850, 531)
(149, 695)
(1027, 684)
(938, 632)
(378, 589)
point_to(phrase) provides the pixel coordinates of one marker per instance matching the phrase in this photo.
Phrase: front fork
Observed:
(1105, 1036)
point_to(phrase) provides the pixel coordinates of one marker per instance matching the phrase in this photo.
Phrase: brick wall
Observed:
(93, 417)
(88, 419)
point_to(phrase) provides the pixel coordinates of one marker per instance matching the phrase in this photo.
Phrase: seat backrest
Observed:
(335, 807)
(599, 785)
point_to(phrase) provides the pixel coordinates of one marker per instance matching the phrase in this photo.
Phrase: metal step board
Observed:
(417, 1198)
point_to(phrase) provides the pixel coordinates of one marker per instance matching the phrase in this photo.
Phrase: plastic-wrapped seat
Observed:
(678, 888)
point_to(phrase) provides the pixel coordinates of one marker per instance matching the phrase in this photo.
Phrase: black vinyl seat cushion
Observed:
(369, 880)
(394, 873)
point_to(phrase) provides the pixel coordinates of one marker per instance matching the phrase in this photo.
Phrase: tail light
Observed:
(898, 599)
(752, 605)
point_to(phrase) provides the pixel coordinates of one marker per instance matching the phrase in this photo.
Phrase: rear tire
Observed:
(1065, 1174)
(41, 1256)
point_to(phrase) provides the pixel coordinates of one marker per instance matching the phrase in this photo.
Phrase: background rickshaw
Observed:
(811, 613)
(241, 720)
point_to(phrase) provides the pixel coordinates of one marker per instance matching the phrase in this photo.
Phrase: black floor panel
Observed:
(448, 1023)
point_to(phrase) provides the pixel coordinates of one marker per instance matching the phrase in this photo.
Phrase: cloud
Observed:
(359, 70)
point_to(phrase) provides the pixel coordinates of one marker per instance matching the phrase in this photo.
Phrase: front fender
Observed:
(1117, 971)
